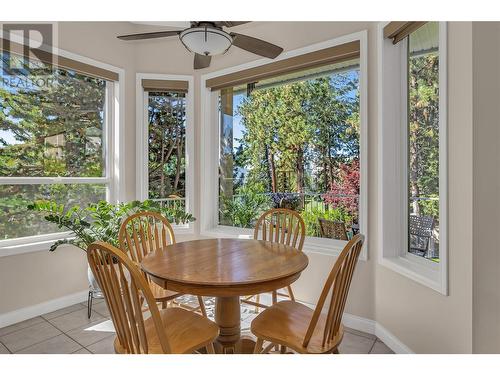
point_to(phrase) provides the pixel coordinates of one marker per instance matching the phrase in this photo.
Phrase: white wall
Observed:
(486, 186)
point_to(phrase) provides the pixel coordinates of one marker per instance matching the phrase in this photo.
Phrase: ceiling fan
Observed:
(208, 38)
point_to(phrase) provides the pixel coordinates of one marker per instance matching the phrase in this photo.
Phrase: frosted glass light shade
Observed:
(206, 40)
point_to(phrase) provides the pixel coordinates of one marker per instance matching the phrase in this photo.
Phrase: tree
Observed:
(423, 130)
(167, 137)
(51, 124)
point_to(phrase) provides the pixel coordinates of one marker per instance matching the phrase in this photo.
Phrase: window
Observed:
(423, 141)
(288, 134)
(413, 151)
(293, 142)
(166, 145)
(54, 144)
(164, 142)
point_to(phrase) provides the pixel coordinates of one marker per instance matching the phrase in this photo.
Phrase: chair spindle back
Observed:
(281, 225)
(124, 288)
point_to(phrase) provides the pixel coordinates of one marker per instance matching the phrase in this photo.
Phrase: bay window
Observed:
(56, 131)
(288, 134)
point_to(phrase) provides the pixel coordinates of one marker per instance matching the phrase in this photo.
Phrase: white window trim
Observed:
(393, 230)
(210, 151)
(142, 142)
(115, 95)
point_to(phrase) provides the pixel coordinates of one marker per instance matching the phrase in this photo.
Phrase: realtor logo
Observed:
(27, 46)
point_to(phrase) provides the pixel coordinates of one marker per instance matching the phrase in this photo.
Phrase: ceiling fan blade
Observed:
(201, 61)
(156, 34)
(257, 46)
(230, 23)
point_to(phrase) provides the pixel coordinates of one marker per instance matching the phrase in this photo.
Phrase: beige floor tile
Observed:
(354, 344)
(75, 319)
(380, 348)
(32, 335)
(102, 309)
(96, 301)
(104, 346)
(66, 310)
(61, 344)
(3, 349)
(93, 332)
(82, 351)
(16, 327)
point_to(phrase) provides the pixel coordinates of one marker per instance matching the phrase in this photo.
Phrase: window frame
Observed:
(142, 148)
(113, 141)
(210, 143)
(393, 166)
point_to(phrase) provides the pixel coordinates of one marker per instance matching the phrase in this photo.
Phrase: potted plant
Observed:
(99, 221)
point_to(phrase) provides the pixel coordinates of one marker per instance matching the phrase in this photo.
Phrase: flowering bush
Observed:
(344, 192)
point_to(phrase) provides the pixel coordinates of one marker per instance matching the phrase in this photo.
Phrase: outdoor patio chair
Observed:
(420, 234)
(332, 229)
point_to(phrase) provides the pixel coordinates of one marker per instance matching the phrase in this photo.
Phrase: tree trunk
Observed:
(272, 170)
(300, 176)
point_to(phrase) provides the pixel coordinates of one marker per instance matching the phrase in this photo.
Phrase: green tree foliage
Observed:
(167, 139)
(297, 134)
(424, 134)
(51, 124)
(295, 138)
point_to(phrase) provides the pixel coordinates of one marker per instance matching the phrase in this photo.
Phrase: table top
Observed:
(225, 262)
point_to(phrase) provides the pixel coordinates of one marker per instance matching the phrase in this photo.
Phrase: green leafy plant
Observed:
(100, 221)
(245, 207)
(310, 215)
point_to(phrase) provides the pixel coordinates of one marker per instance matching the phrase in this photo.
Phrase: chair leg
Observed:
(210, 348)
(336, 350)
(282, 349)
(202, 306)
(164, 304)
(290, 293)
(257, 299)
(89, 303)
(258, 346)
(275, 297)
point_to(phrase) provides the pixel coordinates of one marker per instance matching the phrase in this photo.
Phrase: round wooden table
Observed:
(226, 269)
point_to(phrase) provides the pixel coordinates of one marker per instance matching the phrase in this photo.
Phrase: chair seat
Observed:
(187, 331)
(286, 323)
(161, 294)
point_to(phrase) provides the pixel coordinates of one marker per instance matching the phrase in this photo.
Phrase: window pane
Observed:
(167, 147)
(16, 221)
(51, 123)
(292, 142)
(423, 141)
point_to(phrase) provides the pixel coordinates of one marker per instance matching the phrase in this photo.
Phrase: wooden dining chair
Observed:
(142, 233)
(295, 326)
(172, 330)
(283, 226)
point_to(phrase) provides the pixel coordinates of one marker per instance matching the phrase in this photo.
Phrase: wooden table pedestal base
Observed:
(228, 318)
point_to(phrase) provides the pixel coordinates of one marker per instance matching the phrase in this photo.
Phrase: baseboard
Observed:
(372, 327)
(391, 341)
(16, 316)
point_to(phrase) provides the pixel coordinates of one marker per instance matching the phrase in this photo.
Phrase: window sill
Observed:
(311, 244)
(421, 271)
(29, 247)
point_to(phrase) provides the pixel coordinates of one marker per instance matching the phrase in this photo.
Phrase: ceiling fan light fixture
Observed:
(206, 40)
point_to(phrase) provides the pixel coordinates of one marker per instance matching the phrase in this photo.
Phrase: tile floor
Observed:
(69, 330)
